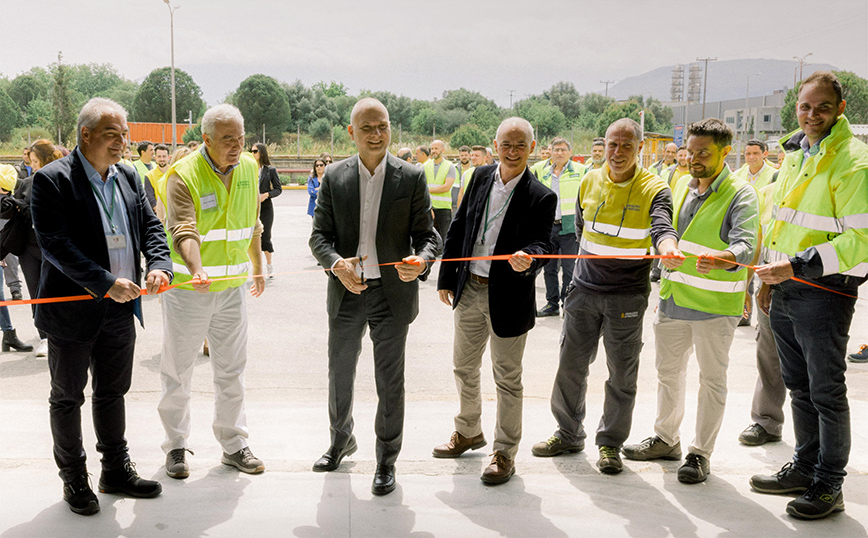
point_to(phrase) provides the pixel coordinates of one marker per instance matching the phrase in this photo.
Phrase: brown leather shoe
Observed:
(500, 471)
(458, 444)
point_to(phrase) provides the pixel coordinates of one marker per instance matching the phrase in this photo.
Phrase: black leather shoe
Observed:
(332, 458)
(384, 480)
(128, 482)
(80, 496)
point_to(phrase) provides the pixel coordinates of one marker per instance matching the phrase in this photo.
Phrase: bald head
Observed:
(367, 104)
(513, 124)
(437, 149)
(370, 130)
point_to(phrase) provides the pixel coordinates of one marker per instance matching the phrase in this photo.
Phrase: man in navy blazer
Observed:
(93, 223)
(505, 212)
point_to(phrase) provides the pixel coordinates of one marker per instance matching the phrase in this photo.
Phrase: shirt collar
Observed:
(204, 151)
(808, 149)
(379, 171)
(693, 184)
(91, 172)
(510, 185)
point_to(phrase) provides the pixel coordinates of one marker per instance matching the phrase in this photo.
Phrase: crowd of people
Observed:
(202, 219)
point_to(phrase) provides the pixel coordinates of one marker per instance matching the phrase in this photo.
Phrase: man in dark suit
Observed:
(372, 209)
(505, 212)
(93, 223)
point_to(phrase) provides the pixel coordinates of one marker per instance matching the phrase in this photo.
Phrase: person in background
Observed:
(8, 177)
(405, 154)
(24, 168)
(161, 157)
(146, 153)
(180, 153)
(313, 183)
(598, 154)
(128, 157)
(422, 154)
(269, 187)
(193, 145)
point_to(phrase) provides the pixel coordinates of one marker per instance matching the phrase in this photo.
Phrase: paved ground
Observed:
(287, 392)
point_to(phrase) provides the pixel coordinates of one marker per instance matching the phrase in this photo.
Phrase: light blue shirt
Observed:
(110, 202)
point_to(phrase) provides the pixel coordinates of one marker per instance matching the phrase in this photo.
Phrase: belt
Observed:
(373, 282)
(481, 279)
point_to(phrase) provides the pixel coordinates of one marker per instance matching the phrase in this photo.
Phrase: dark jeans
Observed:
(31, 266)
(442, 220)
(564, 244)
(266, 217)
(811, 332)
(357, 312)
(109, 357)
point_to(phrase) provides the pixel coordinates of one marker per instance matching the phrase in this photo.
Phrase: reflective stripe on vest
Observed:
(226, 220)
(568, 185)
(439, 200)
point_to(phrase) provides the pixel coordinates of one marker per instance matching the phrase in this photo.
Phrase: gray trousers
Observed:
(357, 312)
(767, 408)
(587, 317)
(10, 273)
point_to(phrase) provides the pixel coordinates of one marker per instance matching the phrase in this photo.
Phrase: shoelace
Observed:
(608, 452)
(648, 443)
(552, 441)
(693, 460)
(454, 439)
(499, 459)
(785, 470)
(178, 454)
(80, 483)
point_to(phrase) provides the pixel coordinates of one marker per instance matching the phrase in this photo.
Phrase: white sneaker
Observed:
(42, 348)
(269, 269)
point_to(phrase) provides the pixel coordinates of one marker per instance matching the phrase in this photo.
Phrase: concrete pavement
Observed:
(287, 413)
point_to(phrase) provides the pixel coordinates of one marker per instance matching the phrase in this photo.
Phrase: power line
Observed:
(607, 82)
(511, 92)
(705, 82)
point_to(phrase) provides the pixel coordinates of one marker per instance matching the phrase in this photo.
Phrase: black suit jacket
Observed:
(68, 225)
(527, 226)
(405, 227)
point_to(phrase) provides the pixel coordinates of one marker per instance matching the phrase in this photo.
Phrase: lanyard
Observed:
(108, 211)
(494, 218)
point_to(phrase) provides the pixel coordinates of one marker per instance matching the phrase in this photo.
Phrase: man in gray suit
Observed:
(372, 209)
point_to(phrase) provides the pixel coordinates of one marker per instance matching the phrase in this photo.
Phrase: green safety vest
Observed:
(568, 185)
(539, 168)
(823, 203)
(225, 221)
(142, 169)
(440, 200)
(658, 168)
(763, 179)
(617, 216)
(466, 177)
(720, 291)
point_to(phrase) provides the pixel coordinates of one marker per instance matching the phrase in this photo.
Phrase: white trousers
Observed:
(188, 317)
(711, 339)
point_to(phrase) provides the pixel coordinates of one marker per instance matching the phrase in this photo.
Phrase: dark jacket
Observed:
(269, 181)
(405, 227)
(68, 225)
(527, 226)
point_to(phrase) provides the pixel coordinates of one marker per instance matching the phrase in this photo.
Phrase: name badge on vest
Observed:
(208, 201)
(116, 241)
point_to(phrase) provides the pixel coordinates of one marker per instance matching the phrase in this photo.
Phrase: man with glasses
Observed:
(622, 210)
(563, 177)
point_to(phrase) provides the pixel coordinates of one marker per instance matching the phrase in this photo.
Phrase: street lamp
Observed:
(172, 32)
(802, 63)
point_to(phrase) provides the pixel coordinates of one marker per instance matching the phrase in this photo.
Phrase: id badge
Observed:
(208, 201)
(116, 241)
(480, 250)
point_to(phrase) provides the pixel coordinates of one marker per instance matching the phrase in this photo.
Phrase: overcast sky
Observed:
(420, 49)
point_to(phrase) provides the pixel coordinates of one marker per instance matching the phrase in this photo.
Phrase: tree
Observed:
(564, 96)
(334, 89)
(616, 111)
(263, 102)
(470, 135)
(153, 101)
(25, 88)
(788, 111)
(62, 102)
(193, 133)
(546, 118)
(10, 115)
(321, 129)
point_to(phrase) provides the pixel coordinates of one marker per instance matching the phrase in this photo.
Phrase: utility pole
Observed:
(705, 82)
(172, 31)
(511, 92)
(802, 63)
(607, 82)
(298, 139)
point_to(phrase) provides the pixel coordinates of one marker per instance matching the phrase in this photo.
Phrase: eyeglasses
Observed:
(328, 161)
(319, 165)
(623, 215)
(254, 151)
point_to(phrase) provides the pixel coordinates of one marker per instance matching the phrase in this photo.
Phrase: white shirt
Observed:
(751, 178)
(498, 203)
(370, 194)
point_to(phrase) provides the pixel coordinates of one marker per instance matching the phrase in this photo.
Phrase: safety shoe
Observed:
(549, 310)
(79, 495)
(790, 479)
(694, 470)
(554, 446)
(176, 463)
(820, 500)
(860, 356)
(499, 471)
(756, 435)
(244, 461)
(610, 460)
(127, 481)
(458, 444)
(16, 295)
(653, 448)
(655, 275)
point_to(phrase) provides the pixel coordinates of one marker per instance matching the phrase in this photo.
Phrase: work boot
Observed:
(127, 481)
(244, 461)
(176, 463)
(554, 446)
(80, 496)
(653, 448)
(610, 460)
(10, 340)
(820, 500)
(859, 356)
(694, 470)
(548, 311)
(756, 435)
(16, 295)
(790, 479)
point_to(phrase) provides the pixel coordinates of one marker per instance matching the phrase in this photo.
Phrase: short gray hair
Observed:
(93, 111)
(515, 121)
(220, 114)
(626, 123)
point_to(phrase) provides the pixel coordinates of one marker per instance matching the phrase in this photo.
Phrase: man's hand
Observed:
(775, 273)
(263, 197)
(446, 296)
(258, 286)
(124, 290)
(201, 282)
(669, 247)
(156, 280)
(345, 270)
(411, 267)
(520, 261)
(714, 259)
(764, 298)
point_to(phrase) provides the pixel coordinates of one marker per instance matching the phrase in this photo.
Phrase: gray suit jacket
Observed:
(405, 227)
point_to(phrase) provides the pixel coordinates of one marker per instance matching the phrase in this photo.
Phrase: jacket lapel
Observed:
(509, 227)
(390, 186)
(351, 185)
(81, 183)
(479, 210)
(129, 198)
